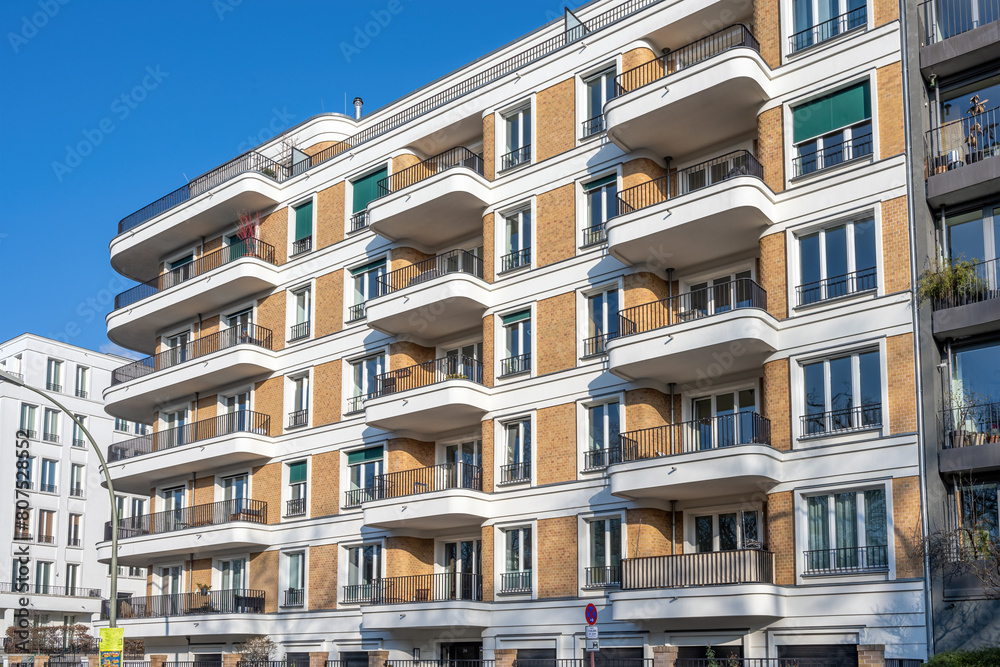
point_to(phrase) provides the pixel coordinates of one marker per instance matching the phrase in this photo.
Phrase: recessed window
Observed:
(605, 552)
(727, 531)
(837, 261)
(600, 89)
(517, 138)
(816, 21)
(47, 483)
(296, 489)
(364, 568)
(517, 240)
(364, 192)
(295, 568)
(174, 431)
(517, 343)
(364, 469)
(76, 480)
(302, 305)
(82, 381)
(847, 532)
(842, 394)
(832, 130)
(299, 415)
(517, 446)
(367, 285)
(28, 416)
(723, 420)
(602, 205)
(46, 527)
(603, 428)
(79, 438)
(516, 577)
(75, 536)
(364, 374)
(602, 321)
(54, 375)
(302, 240)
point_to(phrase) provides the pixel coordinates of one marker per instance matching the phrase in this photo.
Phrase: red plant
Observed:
(247, 229)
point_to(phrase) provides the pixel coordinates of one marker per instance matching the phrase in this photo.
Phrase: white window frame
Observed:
(299, 203)
(285, 575)
(293, 405)
(584, 413)
(585, 535)
(583, 316)
(504, 246)
(219, 572)
(287, 488)
(53, 479)
(787, 12)
(351, 388)
(500, 557)
(344, 567)
(795, 257)
(609, 206)
(799, 398)
(55, 378)
(585, 80)
(501, 425)
(292, 310)
(50, 419)
(82, 381)
(504, 145)
(500, 343)
(32, 409)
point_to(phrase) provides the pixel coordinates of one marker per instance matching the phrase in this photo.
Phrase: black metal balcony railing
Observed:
(356, 312)
(723, 661)
(298, 418)
(600, 458)
(690, 179)
(515, 582)
(295, 507)
(243, 421)
(947, 18)
(302, 245)
(298, 331)
(964, 141)
(459, 367)
(197, 267)
(357, 593)
(46, 539)
(515, 260)
(696, 435)
(441, 477)
(695, 305)
(865, 280)
(440, 662)
(843, 420)
(355, 497)
(735, 36)
(513, 473)
(76, 491)
(427, 588)
(459, 156)
(80, 443)
(515, 365)
(743, 566)
(80, 393)
(827, 30)
(50, 437)
(453, 261)
(197, 516)
(593, 126)
(254, 161)
(603, 576)
(846, 560)
(356, 404)
(597, 345)
(594, 234)
(52, 386)
(516, 157)
(47, 488)
(74, 542)
(971, 425)
(240, 601)
(980, 281)
(294, 597)
(48, 589)
(359, 221)
(832, 155)
(242, 334)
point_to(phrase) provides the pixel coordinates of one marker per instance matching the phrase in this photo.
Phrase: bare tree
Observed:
(256, 649)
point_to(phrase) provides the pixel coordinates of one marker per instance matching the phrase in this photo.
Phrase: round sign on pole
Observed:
(591, 614)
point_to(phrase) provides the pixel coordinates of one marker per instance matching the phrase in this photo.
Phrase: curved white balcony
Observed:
(422, 601)
(448, 495)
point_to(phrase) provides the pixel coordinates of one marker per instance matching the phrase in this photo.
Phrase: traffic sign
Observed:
(593, 645)
(591, 614)
(591, 632)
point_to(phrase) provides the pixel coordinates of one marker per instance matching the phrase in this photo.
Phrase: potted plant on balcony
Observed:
(247, 230)
(949, 279)
(203, 588)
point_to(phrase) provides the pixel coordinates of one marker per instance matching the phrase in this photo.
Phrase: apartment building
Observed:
(68, 503)
(620, 313)
(953, 50)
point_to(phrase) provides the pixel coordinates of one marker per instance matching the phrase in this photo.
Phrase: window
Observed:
(816, 21)
(463, 362)
(302, 300)
(364, 568)
(72, 578)
(465, 461)
(53, 375)
(365, 191)
(76, 480)
(75, 530)
(79, 438)
(22, 527)
(603, 427)
(517, 133)
(140, 429)
(972, 408)
(724, 420)
(296, 489)
(43, 577)
(978, 518)
(47, 484)
(366, 286)
(602, 321)
(173, 507)
(50, 425)
(302, 241)
(179, 349)
(138, 507)
(517, 439)
(363, 380)
(517, 551)
(975, 237)
(718, 295)
(364, 469)
(299, 416)
(956, 99)
(463, 565)
(713, 171)
(832, 129)
(28, 419)
(121, 425)
(234, 574)
(600, 89)
(120, 505)
(29, 473)
(727, 531)
(847, 532)
(82, 378)
(602, 205)
(517, 240)
(179, 270)
(237, 411)
(843, 394)
(173, 423)
(295, 593)
(837, 261)
(517, 340)
(605, 542)
(46, 527)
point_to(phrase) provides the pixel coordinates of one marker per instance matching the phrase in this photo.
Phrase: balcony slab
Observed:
(210, 539)
(419, 615)
(433, 409)
(433, 310)
(740, 604)
(445, 509)
(968, 182)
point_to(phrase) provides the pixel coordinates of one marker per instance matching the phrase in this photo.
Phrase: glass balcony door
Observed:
(462, 563)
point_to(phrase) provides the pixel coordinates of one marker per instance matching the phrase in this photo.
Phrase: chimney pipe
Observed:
(357, 108)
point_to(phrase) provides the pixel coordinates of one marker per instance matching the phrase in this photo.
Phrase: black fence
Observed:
(832, 155)
(707, 433)
(197, 516)
(454, 261)
(241, 601)
(427, 588)
(971, 425)
(846, 560)
(974, 282)
(947, 18)
(843, 420)
(441, 477)
(451, 158)
(458, 367)
(827, 30)
(242, 421)
(865, 280)
(693, 305)
(743, 566)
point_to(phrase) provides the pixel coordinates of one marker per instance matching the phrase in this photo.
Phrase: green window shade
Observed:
(366, 189)
(304, 221)
(370, 454)
(182, 261)
(593, 185)
(377, 264)
(843, 108)
(517, 317)
(297, 472)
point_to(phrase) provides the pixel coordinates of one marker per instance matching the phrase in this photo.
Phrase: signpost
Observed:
(593, 644)
(112, 647)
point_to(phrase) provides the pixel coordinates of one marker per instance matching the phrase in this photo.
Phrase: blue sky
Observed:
(109, 105)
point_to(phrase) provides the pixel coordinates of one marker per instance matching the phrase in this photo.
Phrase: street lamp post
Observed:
(112, 605)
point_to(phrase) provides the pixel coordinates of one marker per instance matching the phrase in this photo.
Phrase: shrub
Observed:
(982, 657)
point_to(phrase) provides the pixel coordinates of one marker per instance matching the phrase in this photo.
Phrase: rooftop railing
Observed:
(974, 282)
(458, 367)
(827, 30)
(947, 18)
(453, 261)
(694, 305)
(240, 601)
(458, 156)
(716, 568)
(196, 516)
(243, 421)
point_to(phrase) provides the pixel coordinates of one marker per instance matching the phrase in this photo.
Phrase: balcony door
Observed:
(727, 531)
(170, 588)
(237, 407)
(180, 270)
(723, 294)
(241, 322)
(462, 563)
(723, 420)
(173, 506)
(174, 423)
(464, 362)
(178, 348)
(466, 464)
(235, 489)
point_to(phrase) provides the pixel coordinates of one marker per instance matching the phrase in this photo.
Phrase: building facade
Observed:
(68, 504)
(621, 313)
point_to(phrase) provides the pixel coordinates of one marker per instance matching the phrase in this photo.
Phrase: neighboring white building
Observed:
(68, 503)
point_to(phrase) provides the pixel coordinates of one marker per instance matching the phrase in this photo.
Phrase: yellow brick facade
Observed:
(263, 571)
(556, 119)
(271, 315)
(907, 527)
(266, 486)
(408, 556)
(555, 333)
(773, 274)
(767, 30)
(556, 460)
(776, 402)
(268, 399)
(891, 108)
(329, 308)
(648, 408)
(771, 148)
(780, 520)
(555, 226)
(489, 155)
(557, 563)
(326, 389)
(324, 484)
(330, 210)
(274, 231)
(649, 533)
(408, 454)
(323, 576)
(902, 384)
(896, 245)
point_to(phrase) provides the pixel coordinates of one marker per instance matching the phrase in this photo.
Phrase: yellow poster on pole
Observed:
(112, 640)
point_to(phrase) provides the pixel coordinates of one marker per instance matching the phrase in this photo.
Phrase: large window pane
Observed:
(965, 237)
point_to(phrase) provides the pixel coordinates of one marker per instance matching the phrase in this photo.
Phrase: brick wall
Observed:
(643, 287)
(401, 162)
(555, 458)
(776, 402)
(489, 452)
(207, 407)
(555, 333)
(773, 275)
(407, 556)
(871, 655)
(648, 408)
(200, 572)
(204, 490)
(488, 247)
(555, 226)
(902, 384)
(780, 518)
(489, 157)
(636, 57)
(326, 393)
(895, 245)
(557, 557)
(642, 170)
(488, 351)
(648, 533)
(324, 484)
(770, 148)
(885, 11)
(323, 576)
(330, 215)
(271, 315)
(264, 577)
(269, 399)
(767, 30)
(266, 486)
(405, 354)
(555, 120)
(487, 563)
(408, 454)
(209, 326)
(274, 230)
(400, 258)
(907, 527)
(891, 126)
(329, 303)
